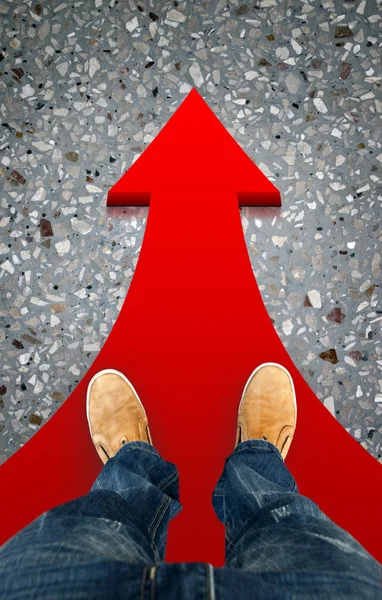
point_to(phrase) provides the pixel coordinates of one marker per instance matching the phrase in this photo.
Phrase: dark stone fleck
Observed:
(307, 301)
(31, 340)
(316, 63)
(72, 156)
(35, 419)
(45, 228)
(155, 92)
(149, 64)
(264, 63)
(242, 10)
(345, 70)
(18, 71)
(16, 175)
(340, 92)
(356, 355)
(58, 396)
(3, 390)
(343, 31)
(153, 16)
(336, 315)
(17, 344)
(330, 356)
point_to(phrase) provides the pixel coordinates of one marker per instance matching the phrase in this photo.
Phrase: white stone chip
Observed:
(131, 25)
(94, 65)
(296, 46)
(7, 266)
(250, 75)
(43, 146)
(287, 327)
(80, 226)
(329, 403)
(196, 74)
(62, 68)
(24, 358)
(185, 88)
(361, 7)
(292, 83)
(93, 189)
(315, 298)
(176, 15)
(94, 347)
(39, 195)
(319, 104)
(279, 241)
(27, 91)
(62, 247)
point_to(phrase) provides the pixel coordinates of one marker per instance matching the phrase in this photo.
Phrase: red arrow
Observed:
(191, 330)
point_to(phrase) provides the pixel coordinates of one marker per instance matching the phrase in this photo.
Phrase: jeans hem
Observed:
(138, 444)
(259, 445)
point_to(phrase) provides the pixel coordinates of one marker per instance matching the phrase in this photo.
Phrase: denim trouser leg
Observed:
(104, 545)
(270, 527)
(91, 542)
(149, 488)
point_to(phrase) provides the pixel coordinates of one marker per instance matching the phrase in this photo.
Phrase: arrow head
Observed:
(194, 149)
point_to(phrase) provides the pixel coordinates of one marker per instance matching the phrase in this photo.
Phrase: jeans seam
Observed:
(166, 482)
(156, 513)
(210, 581)
(165, 506)
(230, 538)
(143, 583)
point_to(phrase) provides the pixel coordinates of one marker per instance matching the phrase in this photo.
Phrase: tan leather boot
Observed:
(268, 408)
(115, 413)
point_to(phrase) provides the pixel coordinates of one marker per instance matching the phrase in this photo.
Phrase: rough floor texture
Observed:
(86, 86)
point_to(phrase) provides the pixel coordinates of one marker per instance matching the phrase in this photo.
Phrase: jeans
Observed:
(110, 543)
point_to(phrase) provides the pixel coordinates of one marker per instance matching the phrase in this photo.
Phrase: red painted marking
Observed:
(191, 330)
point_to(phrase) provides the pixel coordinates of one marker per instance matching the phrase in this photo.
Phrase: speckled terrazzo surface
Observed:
(85, 86)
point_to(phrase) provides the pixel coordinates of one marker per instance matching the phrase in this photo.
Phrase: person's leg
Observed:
(270, 527)
(98, 544)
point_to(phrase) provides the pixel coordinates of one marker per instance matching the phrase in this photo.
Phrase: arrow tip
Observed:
(194, 147)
